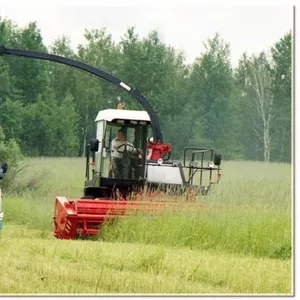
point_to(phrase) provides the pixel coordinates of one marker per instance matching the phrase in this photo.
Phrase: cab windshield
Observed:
(124, 150)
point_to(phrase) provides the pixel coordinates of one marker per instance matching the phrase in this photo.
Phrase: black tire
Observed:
(88, 197)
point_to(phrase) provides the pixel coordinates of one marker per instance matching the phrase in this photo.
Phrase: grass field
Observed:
(240, 244)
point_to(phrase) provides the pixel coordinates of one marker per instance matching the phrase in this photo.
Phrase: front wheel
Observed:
(88, 197)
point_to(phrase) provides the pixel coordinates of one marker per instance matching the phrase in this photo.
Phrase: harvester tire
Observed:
(88, 197)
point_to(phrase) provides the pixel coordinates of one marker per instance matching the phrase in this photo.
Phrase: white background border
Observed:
(187, 3)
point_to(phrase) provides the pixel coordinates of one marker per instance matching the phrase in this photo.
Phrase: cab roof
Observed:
(122, 114)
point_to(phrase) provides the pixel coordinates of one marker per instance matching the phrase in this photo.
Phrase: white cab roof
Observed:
(123, 114)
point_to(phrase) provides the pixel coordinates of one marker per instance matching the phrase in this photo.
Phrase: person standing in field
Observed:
(3, 170)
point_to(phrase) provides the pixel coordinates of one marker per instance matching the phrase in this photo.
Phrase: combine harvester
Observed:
(126, 179)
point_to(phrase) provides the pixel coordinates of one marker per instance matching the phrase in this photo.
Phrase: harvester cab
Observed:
(116, 158)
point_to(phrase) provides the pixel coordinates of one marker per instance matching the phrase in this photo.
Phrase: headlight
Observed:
(160, 161)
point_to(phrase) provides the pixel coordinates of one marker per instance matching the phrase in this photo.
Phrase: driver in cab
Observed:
(120, 150)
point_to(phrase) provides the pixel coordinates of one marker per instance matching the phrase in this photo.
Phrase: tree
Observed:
(282, 92)
(31, 76)
(245, 113)
(7, 86)
(11, 116)
(257, 92)
(158, 71)
(211, 89)
(62, 77)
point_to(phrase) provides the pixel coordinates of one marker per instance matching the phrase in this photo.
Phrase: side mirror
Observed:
(94, 145)
(217, 158)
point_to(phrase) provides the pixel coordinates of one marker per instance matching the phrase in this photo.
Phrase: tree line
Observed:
(49, 109)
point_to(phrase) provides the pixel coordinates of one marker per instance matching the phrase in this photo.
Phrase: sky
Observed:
(247, 29)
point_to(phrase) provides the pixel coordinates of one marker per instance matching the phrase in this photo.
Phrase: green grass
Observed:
(233, 241)
(262, 235)
(34, 263)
